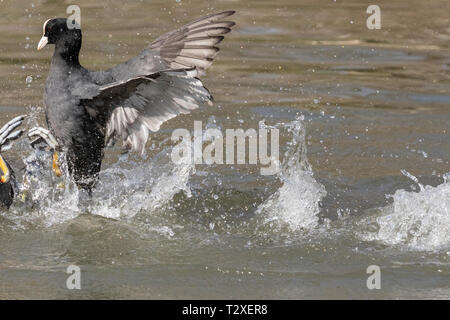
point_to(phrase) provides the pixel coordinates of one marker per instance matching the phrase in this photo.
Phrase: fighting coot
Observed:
(7, 178)
(86, 110)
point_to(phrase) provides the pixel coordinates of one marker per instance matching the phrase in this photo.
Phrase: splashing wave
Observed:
(143, 186)
(297, 202)
(417, 220)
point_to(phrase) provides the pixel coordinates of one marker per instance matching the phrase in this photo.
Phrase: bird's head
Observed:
(62, 32)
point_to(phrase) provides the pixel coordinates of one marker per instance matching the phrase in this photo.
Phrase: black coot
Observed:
(7, 178)
(86, 110)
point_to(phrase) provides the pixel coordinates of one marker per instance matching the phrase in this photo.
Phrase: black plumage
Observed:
(7, 177)
(85, 110)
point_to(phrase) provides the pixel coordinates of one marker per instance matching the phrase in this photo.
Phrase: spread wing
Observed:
(131, 108)
(7, 133)
(193, 45)
(137, 96)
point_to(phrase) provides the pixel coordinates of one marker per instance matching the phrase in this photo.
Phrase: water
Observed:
(364, 143)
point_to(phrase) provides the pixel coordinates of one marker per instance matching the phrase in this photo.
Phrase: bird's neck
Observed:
(67, 52)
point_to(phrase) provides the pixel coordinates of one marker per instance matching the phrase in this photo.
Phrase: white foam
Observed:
(296, 202)
(417, 220)
(143, 186)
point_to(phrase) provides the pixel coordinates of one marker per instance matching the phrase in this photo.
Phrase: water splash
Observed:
(144, 187)
(42, 200)
(417, 220)
(297, 202)
(46, 201)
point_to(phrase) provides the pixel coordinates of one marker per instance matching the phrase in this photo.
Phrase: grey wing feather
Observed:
(193, 45)
(136, 106)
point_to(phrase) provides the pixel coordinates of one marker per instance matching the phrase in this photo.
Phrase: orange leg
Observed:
(4, 170)
(55, 166)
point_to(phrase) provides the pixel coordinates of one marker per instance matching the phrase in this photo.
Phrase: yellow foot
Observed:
(55, 166)
(23, 196)
(4, 171)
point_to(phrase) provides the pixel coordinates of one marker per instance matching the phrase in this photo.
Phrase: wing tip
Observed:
(227, 13)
